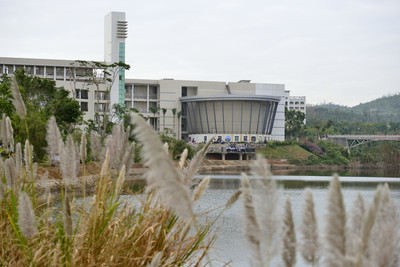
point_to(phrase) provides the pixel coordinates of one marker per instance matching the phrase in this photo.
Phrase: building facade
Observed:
(193, 110)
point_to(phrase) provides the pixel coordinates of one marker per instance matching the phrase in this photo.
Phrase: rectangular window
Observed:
(29, 70)
(245, 138)
(77, 93)
(205, 139)
(39, 70)
(84, 94)
(236, 138)
(84, 106)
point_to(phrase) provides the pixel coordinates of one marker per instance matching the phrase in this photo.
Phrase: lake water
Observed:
(231, 245)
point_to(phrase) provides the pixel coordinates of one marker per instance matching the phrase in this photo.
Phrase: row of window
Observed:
(51, 72)
(295, 103)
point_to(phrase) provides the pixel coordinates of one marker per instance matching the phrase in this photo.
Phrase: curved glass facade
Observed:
(229, 114)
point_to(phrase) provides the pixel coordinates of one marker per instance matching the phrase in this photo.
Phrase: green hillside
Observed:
(293, 151)
(384, 109)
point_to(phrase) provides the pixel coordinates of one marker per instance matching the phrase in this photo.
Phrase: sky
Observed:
(341, 51)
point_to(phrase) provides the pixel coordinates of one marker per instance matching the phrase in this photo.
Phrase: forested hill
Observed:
(384, 109)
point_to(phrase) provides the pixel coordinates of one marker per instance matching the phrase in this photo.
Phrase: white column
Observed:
(148, 97)
(44, 74)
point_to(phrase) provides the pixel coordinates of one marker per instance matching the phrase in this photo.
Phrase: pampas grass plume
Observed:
(163, 176)
(17, 101)
(26, 216)
(252, 227)
(385, 236)
(288, 236)
(233, 199)
(120, 181)
(201, 188)
(335, 231)
(195, 163)
(83, 152)
(67, 216)
(310, 246)
(182, 160)
(156, 261)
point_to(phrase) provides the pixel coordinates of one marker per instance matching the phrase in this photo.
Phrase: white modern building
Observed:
(194, 110)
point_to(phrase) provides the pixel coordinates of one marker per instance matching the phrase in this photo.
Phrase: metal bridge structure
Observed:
(350, 141)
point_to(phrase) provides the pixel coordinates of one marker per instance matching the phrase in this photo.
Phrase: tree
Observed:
(164, 110)
(98, 74)
(43, 100)
(294, 121)
(6, 105)
(174, 114)
(154, 110)
(179, 114)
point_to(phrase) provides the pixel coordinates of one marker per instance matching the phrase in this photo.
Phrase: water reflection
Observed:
(231, 245)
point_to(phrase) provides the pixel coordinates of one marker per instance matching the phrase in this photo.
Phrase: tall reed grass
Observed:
(160, 228)
(108, 230)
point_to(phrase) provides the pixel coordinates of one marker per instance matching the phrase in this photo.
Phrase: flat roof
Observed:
(230, 97)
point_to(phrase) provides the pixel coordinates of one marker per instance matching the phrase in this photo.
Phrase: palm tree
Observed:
(179, 114)
(154, 110)
(164, 110)
(174, 113)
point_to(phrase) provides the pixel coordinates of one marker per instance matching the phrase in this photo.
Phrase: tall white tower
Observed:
(115, 33)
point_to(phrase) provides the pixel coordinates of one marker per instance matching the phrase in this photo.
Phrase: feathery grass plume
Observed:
(95, 146)
(194, 164)
(106, 164)
(53, 138)
(182, 160)
(120, 181)
(10, 133)
(267, 195)
(309, 246)
(17, 101)
(335, 231)
(288, 236)
(163, 175)
(4, 132)
(128, 158)
(28, 158)
(68, 161)
(201, 188)
(165, 146)
(67, 216)
(26, 216)
(156, 261)
(354, 229)
(83, 152)
(18, 160)
(385, 236)
(10, 172)
(233, 199)
(117, 143)
(253, 230)
(369, 221)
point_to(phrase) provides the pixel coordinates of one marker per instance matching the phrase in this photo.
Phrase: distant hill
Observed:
(384, 109)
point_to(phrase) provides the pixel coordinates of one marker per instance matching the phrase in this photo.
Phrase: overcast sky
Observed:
(341, 51)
